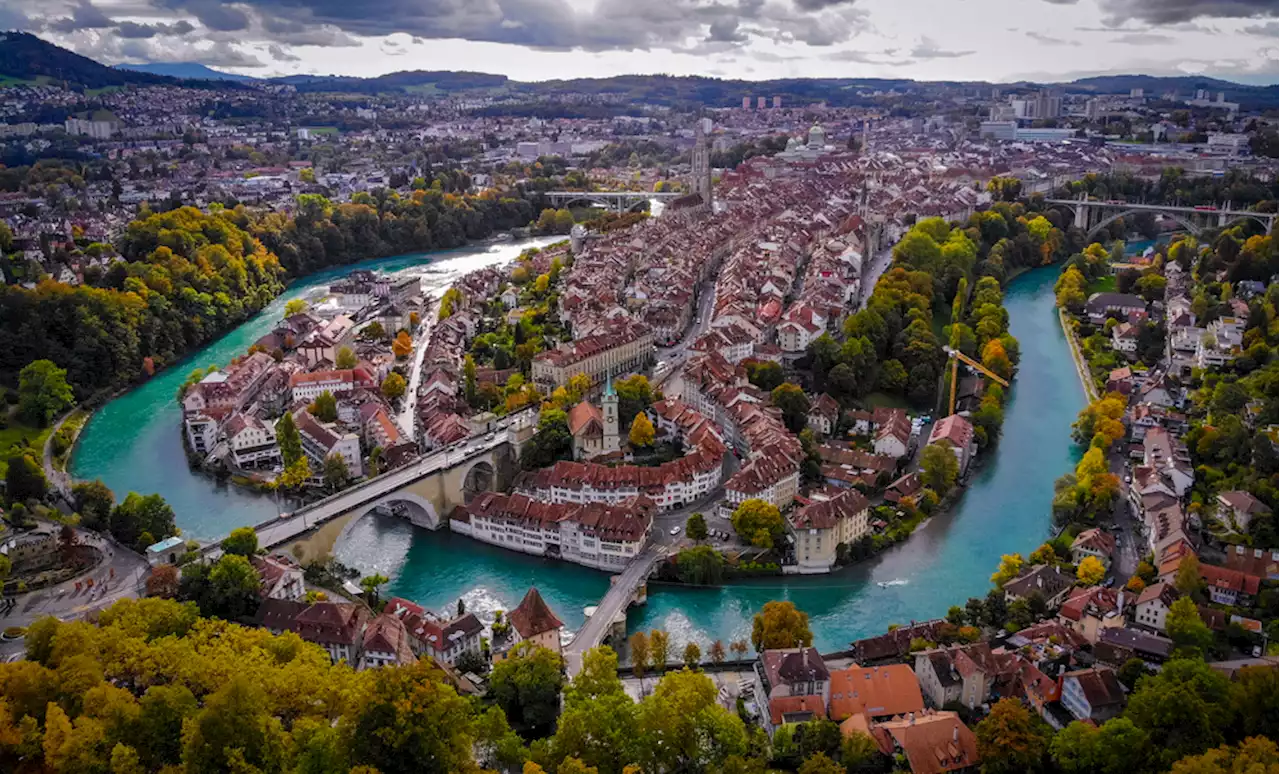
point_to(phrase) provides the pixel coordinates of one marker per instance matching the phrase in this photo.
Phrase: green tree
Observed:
(1011, 739)
(413, 722)
(345, 359)
(1187, 629)
(681, 727)
(1256, 755)
(939, 467)
(696, 526)
(1118, 747)
(659, 649)
(25, 479)
(1185, 708)
(93, 501)
(137, 517)
(43, 392)
(526, 685)
(393, 386)
(700, 565)
(551, 441)
(780, 625)
(336, 472)
(295, 306)
(692, 655)
(794, 405)
(233, 729)
(289, 439)
(372, 583)
(227, 589)
(859, 752)
(325, 407)
(243, 541)
(759, 523)
(819, 763)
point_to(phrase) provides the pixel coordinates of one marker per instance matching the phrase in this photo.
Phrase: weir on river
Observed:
(134, 443)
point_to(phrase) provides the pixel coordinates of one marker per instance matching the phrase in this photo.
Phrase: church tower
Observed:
(701, 159)
(610, 406)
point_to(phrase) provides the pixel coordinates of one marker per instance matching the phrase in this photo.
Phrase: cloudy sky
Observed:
(993, 40)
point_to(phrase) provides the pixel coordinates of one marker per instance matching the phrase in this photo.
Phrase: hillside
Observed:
(25, 57)
(192, 70)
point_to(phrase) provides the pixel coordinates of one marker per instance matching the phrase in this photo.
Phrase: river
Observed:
(133, 444)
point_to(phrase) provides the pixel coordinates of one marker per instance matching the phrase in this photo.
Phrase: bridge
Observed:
(423, 492)
(1092, 216)
(624, 588)
(614, 201)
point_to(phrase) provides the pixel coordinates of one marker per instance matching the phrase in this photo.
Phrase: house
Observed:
(1254, 561)
(824, 415)
(822, 526)
(386, 643)
(443, 641)
(1051, 583)
(906, 486)
(958, 432)
(893, 435)
(1153, 606)
(1099, 306)
(1086, 612)
(1238, 509)
(530, 621)
(795, 682)
(252, 442)
(1120, 380)
(1124, 339)
(1118, 645)
(1096, 543)
(933, 742)
(874, 692)
(1092, 694)
(281, 577)
(338, 627)
(1230, 587)
(964, 673)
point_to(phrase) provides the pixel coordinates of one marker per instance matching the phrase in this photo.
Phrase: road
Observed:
(409, 403)
(871, 274)
(617, 599)
(1130, 547)
(672, 383)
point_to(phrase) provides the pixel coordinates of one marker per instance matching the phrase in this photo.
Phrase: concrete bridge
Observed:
(625, 588)
(1092, 216)
(424, 492)
(615, 201)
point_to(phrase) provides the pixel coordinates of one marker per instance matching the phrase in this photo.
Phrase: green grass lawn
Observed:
(13, 435)
(1105, 284)
(323, 129)
(884, 399)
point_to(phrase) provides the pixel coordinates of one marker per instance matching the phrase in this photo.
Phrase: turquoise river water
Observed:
(133, 444)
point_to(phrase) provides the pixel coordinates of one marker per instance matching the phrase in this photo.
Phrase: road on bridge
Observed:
(621, 591)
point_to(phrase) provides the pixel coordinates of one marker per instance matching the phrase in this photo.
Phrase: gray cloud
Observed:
(818, 5)
(1165, 12)
(280, 55)
(928, 49)
(1268, 30)
(128, 29)
(726, 31)
(84, 16)
(1142, 39)
(1049, 40)
(214, 14)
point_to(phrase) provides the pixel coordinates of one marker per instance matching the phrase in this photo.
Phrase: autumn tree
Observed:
(295, 306)
(288, 438)
(1091, 571)
(939, 467)
(526, 685)
(642, 431)
(345, 359)
(324, 407)
(692, 655)
(1010, 568)
(659, 649)
(759, 523)
(780, 625)
(1011, 740)
(402, 346)
(336, 473)
(638, 645)
(243, 541)
(393, 386)
(717, 652)
(162, 581)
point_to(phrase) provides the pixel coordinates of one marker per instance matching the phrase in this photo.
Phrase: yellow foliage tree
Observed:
(996, 359)
(402, 346)
(578, 386)
(641, 431)
(1091, 571)
(1010, 566)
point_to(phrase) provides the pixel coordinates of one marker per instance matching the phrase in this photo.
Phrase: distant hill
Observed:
(424, 81)
(193, 70)
(1183, 85)
(25, 57)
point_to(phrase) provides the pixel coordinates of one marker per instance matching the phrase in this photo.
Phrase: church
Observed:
(595, 430)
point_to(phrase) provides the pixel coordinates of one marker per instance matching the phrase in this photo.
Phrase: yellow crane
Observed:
(956, 356)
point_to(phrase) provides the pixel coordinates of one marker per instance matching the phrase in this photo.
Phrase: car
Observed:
(675, 530)
(1127, 478)
(1110, 582)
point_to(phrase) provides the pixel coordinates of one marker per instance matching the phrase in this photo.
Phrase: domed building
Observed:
(809, 149)
(817, 138)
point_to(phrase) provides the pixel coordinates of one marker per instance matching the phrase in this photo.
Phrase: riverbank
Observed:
(1077, 358)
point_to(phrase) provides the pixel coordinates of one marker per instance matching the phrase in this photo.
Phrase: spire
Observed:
(608, 384)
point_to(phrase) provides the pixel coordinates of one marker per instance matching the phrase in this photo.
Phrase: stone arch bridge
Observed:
(423, 492)
(1093, 216)
(614, 201)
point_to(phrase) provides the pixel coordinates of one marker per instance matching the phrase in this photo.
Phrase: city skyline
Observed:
(531, 40)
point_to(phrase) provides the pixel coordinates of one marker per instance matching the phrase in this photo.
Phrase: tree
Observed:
(43, 392)
(93, 501)
(551, 442)
(1010, 568)
(819, 763)
(393, 386)
(859, 752)
(336, 472)
(1188, 580)
(345, 359)
(638, 645)
(739, 648)
(138, 519)
(780, 625)
(939, 467)
(25, 479)
(1091, 571)
(526, 685)
(696, 526)
(700, 565)
(1011, 739)
(659, 649)
(325, 407)
(243, 541)
(717, 653)
(695, 732)
(793, 404)
(403, 345)
(413, 722)
(295, 474)
(295, 306)
(642, 431)
(1187, 629)
(289, 440)
(1118, 747)
(372, 583)
(692, 655)
(1256, 755)
(759, 523)
(1184, 708)
(163, 581)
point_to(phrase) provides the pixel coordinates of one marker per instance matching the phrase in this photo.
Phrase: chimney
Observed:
(955, 733)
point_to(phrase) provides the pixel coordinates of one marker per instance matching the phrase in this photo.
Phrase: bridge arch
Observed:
(1181, 219)
(480, 477)
(402, 504)
(1263, 219)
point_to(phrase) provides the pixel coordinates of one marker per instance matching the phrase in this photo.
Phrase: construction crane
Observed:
(956, 356)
